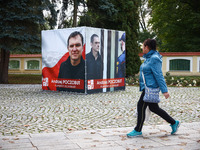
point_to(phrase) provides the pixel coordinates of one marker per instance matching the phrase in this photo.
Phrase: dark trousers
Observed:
(141, 107)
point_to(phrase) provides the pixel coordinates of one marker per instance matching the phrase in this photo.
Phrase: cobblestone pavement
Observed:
(27, 109)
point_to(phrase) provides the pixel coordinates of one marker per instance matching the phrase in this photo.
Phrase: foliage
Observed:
(67, 20)
(143, 35)
(176, 24)
(101, 13)
(182, 81)
(21, 23)
(18, 27)
(51, 14)
(117, 15)
(178, 81)
(133, 81)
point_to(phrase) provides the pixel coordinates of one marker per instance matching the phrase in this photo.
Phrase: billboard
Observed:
(83, 59)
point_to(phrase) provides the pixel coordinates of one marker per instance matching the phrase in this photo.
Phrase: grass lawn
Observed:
(24, 79)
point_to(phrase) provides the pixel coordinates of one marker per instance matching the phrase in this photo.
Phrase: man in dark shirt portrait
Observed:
(94, 62)
(93, 59)
(74, 66)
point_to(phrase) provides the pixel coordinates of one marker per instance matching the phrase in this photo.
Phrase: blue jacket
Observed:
(152, 69)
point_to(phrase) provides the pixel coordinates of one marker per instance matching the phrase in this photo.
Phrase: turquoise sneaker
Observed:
(134, 134)
(175, 127)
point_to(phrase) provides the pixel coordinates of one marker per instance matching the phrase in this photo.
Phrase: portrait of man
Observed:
(121, 67)
(94, 60)
(74, 66)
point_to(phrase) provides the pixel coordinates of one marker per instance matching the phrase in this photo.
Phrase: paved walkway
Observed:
(34, 119)
(154, 138)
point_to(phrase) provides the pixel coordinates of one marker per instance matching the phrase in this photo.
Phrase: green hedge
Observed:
(182, 81)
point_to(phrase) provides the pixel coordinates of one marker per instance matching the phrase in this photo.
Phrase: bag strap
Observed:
(143, 78)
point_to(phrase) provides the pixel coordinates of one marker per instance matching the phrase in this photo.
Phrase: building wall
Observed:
(23, 64)
(193, 57)
(194, 70)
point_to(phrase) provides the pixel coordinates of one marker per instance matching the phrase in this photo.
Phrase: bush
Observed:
(181, 81)
(132, 81)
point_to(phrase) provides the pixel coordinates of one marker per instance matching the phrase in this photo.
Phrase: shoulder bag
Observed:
(151, 94)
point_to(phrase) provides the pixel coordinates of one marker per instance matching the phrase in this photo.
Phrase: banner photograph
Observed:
(83, 59)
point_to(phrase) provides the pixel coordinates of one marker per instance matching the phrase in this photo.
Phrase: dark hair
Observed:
(74, 34)
(151, 43)
(92, 37)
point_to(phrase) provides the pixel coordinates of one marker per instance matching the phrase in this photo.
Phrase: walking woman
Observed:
(152, 71)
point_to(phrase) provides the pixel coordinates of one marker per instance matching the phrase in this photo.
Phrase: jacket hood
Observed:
(150, 53)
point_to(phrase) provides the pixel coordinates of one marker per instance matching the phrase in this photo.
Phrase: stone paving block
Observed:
(177, 147)
(167, 127)
(171, 140)
(48, 135)
(51, 142)
(11, 145)
(152, 131)
(20, 148)
(106, 148)
(191, 136)
(194, 125)
(117, 137)
(114, 131)
(5, 141)
(16, 136)
(85, 136)
(80, 132)
(185, 130)
(59, 147)
(55, 139)
(97, 144)
(138, 143)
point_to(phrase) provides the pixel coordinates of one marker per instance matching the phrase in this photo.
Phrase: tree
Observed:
(145, 31)
(69, 21)
(101, 13)
(117, 15)
(20, 27)
(51, 14)
(176, 24)
(143, 13)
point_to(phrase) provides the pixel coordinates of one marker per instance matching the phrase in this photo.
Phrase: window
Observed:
(33, 64)
(179, 65)
(14, 64)
(198, 64)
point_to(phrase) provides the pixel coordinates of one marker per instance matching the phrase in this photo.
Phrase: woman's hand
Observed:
(166, 95)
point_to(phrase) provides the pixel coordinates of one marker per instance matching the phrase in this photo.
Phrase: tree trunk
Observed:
(4, 61)
(75, 13)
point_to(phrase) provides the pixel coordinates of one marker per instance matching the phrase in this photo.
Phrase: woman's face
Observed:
(145, 49)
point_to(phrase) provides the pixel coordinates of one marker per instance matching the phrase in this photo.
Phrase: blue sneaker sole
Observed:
(134, 136)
